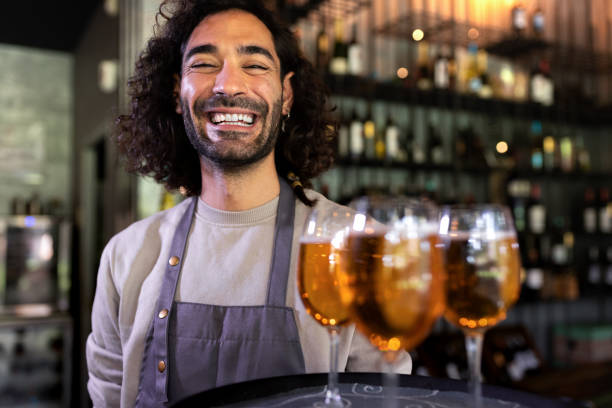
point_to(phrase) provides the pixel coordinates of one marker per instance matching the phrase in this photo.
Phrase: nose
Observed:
(229, 81)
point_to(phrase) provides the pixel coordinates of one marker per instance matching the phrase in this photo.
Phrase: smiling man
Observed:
(226, 108)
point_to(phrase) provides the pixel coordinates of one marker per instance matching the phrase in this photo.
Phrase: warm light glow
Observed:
(501, 147)
(402, 73)
(473, 34)
(418, 34)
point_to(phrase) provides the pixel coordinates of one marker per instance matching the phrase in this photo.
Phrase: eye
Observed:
(202, 65)
(256, 67)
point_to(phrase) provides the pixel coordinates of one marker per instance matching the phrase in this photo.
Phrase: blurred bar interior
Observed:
(505, 101)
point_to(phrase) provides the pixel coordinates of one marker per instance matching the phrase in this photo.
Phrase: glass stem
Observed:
(390, 380)
(332, 395)
(473, 346)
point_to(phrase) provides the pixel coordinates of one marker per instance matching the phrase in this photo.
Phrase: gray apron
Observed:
(192, 347)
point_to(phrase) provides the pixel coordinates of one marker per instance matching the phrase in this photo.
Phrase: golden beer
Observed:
(483, 280)
(318, 285)
(394, 289)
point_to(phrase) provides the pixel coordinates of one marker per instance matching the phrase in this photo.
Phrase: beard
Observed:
(229, 154)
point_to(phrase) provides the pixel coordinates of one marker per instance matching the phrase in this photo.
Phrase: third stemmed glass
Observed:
(483, 268)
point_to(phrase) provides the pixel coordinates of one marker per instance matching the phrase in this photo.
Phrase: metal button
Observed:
(161, 366)
(174, 261)
(163, 313)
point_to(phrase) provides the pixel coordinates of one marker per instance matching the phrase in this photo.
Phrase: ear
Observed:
(176, 94)
(287, 94)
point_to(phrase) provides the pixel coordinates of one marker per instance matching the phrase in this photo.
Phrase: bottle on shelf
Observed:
(392, 140)
(537, 155)
(538, 22)
(424, 75)
(534, 272)
(536, 211)
(485, 90)
(594, 281)
(435, 147)
(541, 86)
(343, 137)
(356, 146)
(589, 211)
(567, 153)
(441, 71)
(339, 61)
(607, 271)
(355, 55)
(518, 192)
(550, 152)
(605, 211)
(369, 135)
(519, 19)
(322, 55)
(472, 75)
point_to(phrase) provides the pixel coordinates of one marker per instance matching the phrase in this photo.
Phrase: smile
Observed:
(237, 119)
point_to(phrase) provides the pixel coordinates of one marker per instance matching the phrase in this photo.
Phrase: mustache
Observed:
(223, 101)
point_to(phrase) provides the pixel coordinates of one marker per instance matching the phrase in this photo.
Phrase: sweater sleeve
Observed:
(364, 357)
(103, 349)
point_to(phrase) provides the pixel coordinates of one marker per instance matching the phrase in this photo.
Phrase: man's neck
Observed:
(240, 191)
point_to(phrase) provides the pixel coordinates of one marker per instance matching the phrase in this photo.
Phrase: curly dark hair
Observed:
(152, 136)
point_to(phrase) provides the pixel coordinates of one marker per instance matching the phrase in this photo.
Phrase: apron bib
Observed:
(193, 347)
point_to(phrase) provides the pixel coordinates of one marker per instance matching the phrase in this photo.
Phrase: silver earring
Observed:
(285, 120)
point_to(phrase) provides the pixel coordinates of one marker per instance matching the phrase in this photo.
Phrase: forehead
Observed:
(232, 28)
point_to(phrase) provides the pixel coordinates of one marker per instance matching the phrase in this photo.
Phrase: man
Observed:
(224, 106)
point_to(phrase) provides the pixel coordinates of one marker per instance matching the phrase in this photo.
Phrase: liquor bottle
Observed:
(435, 148)
(392, 140)
(339, 61)
(594, 281)
(424, 76)
(568, 157)
(369, 135)
(486, 90)
(322, 53)
(538, 22)
(541, 86)
(536, 211)
(537, 156)
(519, 19)
(442, 69)
(589, 211)
(550, 154)
(343, 138)
(605, 211)
(472, 74)
(583, 157)
(356, 137)
(380, 147)
(355, 55)
(518, 192)
(607, 271)
(534, 272)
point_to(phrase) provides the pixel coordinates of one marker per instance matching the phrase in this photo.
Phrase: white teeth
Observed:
(232, 118)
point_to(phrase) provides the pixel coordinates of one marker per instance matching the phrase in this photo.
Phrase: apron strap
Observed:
(283, 241)
(165, 300)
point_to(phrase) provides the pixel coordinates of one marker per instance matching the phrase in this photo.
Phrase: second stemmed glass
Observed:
(483, 268)
(391, 275)
(318, 284)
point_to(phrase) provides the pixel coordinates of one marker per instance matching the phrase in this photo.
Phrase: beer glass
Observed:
(483, 268)
(391, 275)
(318, 284)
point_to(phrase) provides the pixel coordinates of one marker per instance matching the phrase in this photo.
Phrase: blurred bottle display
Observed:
(536, 211)
(392, 140)
(589, 211)
(538, 22)
(356, 136)
(369, 135)
(519, 18)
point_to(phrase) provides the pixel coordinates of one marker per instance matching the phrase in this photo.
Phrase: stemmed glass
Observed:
(318, 284)
(391, 275)
(483, 267)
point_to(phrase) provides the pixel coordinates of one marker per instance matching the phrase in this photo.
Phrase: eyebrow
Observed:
(243, 49)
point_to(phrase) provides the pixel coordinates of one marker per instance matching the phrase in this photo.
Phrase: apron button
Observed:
(161, 366)
(163, 313)
(173, 261)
